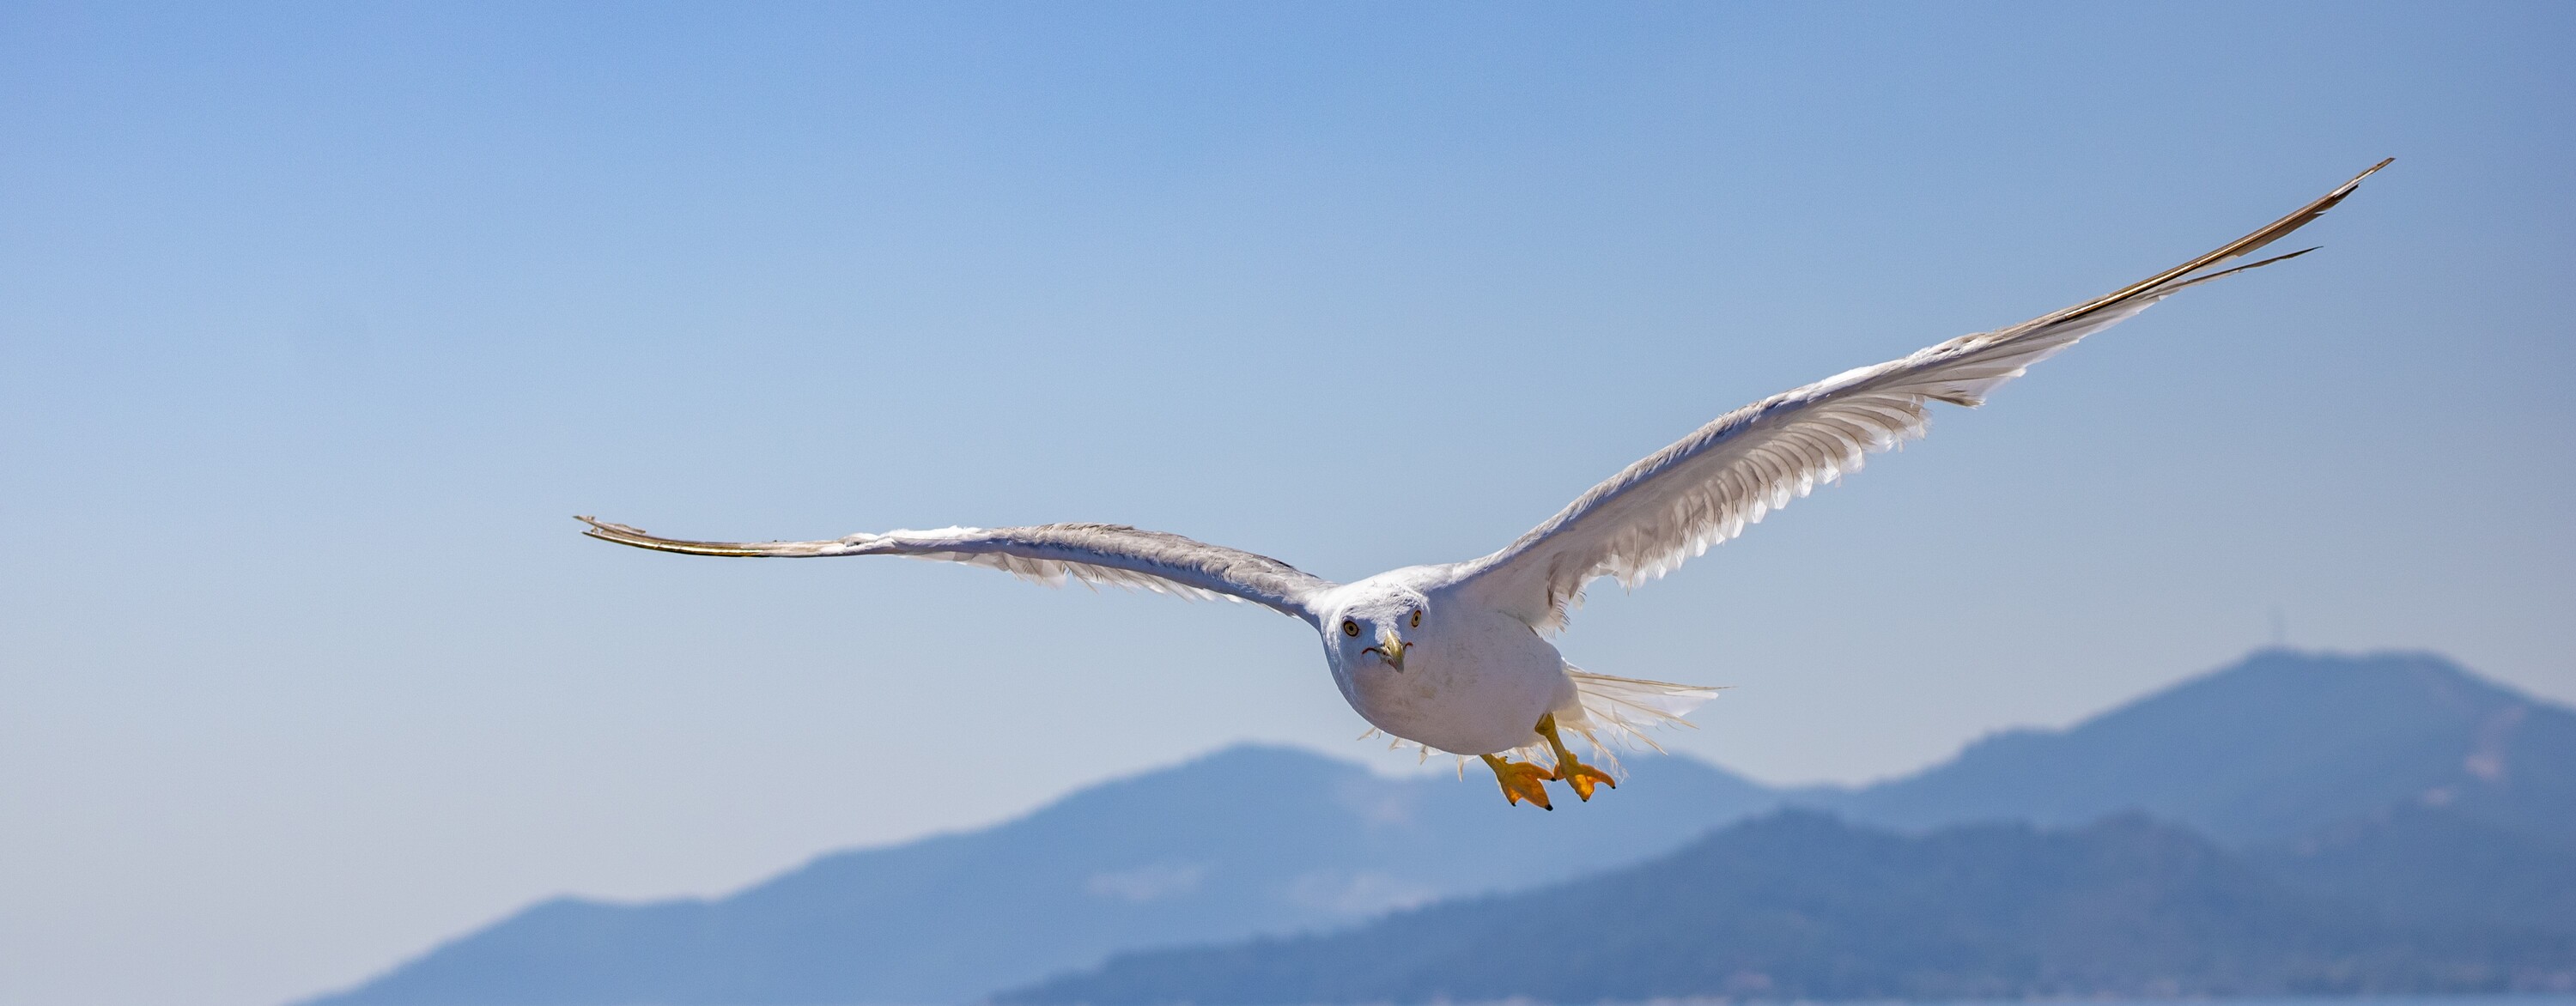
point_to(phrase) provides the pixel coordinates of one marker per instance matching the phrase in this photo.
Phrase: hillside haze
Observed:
(2399, 788)
(1249, 840)
(2268, 749)
(1800, 906)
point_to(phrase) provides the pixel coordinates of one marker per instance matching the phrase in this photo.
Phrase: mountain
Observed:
(1801, 906)
(1249, 840)
(2398, 785)
(2270, 749)
(2433, 864)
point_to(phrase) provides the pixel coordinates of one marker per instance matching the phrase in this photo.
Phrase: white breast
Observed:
(1474, 682)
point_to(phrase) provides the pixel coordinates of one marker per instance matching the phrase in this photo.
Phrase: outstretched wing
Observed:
(1681, 500)
(1111, 554)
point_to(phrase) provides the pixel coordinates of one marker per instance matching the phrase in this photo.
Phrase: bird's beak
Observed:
(1390, 647)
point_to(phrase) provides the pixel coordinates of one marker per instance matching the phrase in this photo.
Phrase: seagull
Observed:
(1456, 657)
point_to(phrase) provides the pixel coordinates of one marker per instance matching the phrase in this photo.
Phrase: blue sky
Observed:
(317, 322)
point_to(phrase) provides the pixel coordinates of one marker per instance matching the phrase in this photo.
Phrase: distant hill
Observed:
(2433, 865)
(2272, 748)
(1802, 906)
(1249, 840)
(2397, 784)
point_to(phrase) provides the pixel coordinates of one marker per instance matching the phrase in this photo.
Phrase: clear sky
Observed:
(317, 322)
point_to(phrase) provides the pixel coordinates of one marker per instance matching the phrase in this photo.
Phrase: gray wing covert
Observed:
(1095, 554)
(1704, 489)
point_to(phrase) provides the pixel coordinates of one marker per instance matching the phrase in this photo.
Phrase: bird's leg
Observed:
(1582, 776)
(1521, 781)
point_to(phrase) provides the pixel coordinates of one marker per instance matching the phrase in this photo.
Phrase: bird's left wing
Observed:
(1111, 554)
(1681, 500)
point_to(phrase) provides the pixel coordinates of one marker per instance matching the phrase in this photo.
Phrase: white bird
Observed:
(1455, 657)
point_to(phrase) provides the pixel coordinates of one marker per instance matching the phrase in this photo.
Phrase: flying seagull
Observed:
(1455, 657)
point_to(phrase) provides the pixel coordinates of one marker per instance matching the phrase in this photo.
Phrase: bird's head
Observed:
(1375, 629)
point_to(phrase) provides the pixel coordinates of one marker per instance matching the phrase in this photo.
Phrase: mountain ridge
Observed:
(1799, 905)
(2283, 742)
(1247, 839)
(1261, 840)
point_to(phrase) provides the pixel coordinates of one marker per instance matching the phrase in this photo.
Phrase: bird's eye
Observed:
(1417, 618)
(1350, 628)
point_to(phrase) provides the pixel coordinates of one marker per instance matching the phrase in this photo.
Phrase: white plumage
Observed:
(1454, 657)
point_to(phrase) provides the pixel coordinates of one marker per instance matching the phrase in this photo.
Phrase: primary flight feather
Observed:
(1455, 657)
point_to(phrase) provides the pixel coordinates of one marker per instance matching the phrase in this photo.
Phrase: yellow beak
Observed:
(1390, 647)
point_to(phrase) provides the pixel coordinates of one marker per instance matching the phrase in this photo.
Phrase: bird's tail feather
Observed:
(1613, 712)
(1609, 713)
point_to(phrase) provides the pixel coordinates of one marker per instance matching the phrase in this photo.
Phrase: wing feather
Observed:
(1678, 502)
(1095, 554)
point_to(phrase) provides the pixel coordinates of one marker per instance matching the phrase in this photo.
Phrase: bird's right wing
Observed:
(1096, 554)
(1704, 489)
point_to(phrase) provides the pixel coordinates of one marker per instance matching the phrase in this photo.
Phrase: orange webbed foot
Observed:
(1522, 781)
(1568, 770)
(1583, 777)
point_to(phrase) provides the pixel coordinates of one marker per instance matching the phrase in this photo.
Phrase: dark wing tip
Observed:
(2182, 275)
(611, 531)
(633, 536)
(2198, 280)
